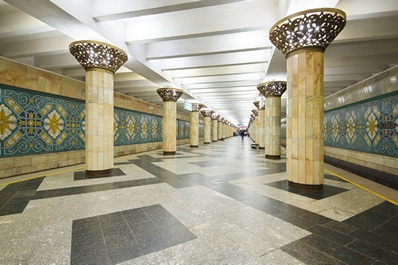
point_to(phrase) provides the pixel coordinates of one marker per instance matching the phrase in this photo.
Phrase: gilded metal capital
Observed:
(215, 116)
(312, 29)
(272, 88)
(196, 107)
(94, 54)
(169, 94)
(206, 112)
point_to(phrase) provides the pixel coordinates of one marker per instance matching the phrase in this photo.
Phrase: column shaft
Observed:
(273, 127)
(99, 122)
(219, 130)
(261, 129)
(207, 129)
(305, 118)
(214, 131)
(194, 129)
(169, 127)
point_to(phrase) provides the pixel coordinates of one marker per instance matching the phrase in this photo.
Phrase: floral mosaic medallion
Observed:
(32, 122)
(53, 124)
(7, 122)
(368, 126)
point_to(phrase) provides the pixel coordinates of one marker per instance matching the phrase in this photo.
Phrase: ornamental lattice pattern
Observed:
(315, 28)
(274, 88)
(169, 94)
(99, 55)
(34, 123)
(367, 126)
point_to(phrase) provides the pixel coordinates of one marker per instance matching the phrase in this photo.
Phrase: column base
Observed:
(194, 146)
(99, 173)
(275, 157)
(169, 153)
(214, 141)
(207, 142)
(222, 139)
(262, 148)
(305, 187)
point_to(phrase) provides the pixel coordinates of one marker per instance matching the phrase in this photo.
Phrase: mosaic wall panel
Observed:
(183, 129)
(33, 122)
(366, 126)
(369, 126)
(133, 127)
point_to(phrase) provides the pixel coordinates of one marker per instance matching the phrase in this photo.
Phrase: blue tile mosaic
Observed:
(369, 126)
(33, 122)
(366, 126)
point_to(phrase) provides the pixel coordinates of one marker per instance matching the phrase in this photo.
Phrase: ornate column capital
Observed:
(207, 112)
(272, 88)
(255, 112)
(215, 116)
(95, 54)
(169, 94)
(312, 29)
(196, 107)
(220, 118)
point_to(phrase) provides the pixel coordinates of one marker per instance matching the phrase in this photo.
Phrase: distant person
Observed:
(242, 133)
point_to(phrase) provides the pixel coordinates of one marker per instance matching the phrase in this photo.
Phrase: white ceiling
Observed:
(217, 51)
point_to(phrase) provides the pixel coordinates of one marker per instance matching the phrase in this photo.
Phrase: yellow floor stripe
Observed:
(362, 187)
(44, 175)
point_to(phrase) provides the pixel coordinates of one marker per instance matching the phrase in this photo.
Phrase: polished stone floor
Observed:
(222, 203)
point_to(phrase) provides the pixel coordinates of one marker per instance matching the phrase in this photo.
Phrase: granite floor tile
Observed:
(211, 205)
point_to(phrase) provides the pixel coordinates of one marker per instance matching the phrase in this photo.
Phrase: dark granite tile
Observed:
(315, 218)
(367, 220)
(81, 175)
(86, 226)
(88, 245)
(14, 206)
(309, 255)
(327, 191)
(177, 234)
(337, 251)
(387, 230)
(120, 242)
(387, 209)
(209, 163)
(374, 251)
(392, 220)
(340, 227)
(135, 216)
(162, 219)
(331, 235)
(379, 240)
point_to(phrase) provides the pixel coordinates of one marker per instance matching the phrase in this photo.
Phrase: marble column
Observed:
(101, 61)
(272, 91)
(194, 125)
(170, 97)
(255, 123)
(207, 114)
(303, 38)
(219, 128)
(224, 128)
(214, 132)
(260, 124)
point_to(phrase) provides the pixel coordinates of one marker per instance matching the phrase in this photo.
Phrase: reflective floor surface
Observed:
(222, 203)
